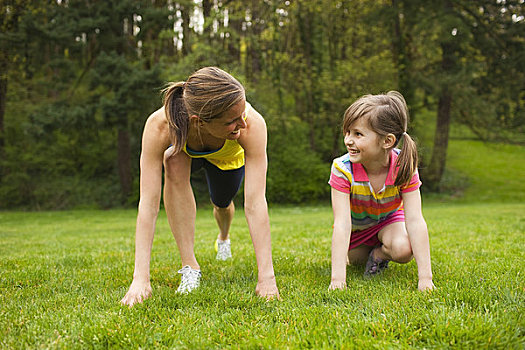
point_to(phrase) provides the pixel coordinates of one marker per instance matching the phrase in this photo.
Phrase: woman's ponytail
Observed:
(176, 114)
(208, 93)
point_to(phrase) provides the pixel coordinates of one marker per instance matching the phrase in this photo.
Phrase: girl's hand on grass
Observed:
(267, 289)
(137, 293)
(337, 285)
(425, 284)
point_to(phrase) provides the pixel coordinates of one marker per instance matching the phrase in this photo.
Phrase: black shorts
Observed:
(223, 185)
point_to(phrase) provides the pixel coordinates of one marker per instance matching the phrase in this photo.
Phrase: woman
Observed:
(205, 122)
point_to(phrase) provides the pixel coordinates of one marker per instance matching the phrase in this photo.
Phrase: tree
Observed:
(493, 107)
(124, 86)
(467, 80)
(79, 77)
(448, 68)
(14, 50)
(124, 82)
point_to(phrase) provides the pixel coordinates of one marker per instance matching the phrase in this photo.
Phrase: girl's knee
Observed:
(401, 251)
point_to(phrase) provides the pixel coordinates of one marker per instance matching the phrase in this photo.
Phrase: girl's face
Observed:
(363, 144)
(229, 125)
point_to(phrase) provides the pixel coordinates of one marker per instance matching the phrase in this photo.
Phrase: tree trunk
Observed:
(336, 151)
(206, 12)
(434, 172)
(304, 19)
(436, 168)
(124, 163)
(233, 42)
(401, 51)
(186, 30)
(3, 102)
(255, 64)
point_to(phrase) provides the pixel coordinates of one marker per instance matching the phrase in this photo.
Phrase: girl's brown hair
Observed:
(207, 93)
(387, 114)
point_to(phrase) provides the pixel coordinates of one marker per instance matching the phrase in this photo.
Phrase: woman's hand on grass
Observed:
(425, 284)
(337, 285)
(137, 293)
(267, 289)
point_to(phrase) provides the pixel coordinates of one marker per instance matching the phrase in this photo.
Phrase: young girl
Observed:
(375, 193)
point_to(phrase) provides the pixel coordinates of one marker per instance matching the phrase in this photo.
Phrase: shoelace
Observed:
(190, 279)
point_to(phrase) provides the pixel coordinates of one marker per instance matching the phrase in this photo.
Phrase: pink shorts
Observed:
(369, 236)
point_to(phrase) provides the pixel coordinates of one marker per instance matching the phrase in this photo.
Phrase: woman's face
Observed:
(229, 124)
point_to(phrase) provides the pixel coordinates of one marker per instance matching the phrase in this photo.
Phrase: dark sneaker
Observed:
(374, 266)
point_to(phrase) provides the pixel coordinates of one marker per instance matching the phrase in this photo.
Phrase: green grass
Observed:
(495, 172)
(63, 274)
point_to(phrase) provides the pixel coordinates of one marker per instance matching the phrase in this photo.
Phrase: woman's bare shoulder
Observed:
(157, 120)
(254, 136)
(157, 128)
(254, 120)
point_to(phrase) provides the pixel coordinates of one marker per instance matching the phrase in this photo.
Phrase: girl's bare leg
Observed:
(396, 245)
(359, 255)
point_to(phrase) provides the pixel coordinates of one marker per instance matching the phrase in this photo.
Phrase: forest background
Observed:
(78, 79)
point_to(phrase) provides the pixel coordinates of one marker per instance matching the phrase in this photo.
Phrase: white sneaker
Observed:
(189, 280)
(223, 249)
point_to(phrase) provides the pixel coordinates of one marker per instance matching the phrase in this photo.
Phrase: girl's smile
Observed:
(362, 143)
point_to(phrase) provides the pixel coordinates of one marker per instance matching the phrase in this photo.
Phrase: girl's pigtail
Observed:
(407, 161)
(176, 114)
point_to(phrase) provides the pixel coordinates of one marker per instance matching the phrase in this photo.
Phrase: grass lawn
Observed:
(64, 273)
(495, 172)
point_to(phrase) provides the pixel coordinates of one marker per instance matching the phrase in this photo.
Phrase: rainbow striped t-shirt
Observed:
(367, 207)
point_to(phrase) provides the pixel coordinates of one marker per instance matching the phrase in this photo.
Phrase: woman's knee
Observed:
(224, 209)
(177, 168)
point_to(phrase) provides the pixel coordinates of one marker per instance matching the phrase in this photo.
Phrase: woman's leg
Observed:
(180, 206)
(396, 245)
(224, 218)
(223, 185)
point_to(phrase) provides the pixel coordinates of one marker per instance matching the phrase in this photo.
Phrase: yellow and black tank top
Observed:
(229, 157)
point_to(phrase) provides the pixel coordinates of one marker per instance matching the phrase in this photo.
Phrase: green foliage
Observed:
(295, 173)
(64, 273)
(60, 175)
(76, 77)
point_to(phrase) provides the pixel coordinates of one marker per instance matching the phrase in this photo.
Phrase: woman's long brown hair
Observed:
(207, 93)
